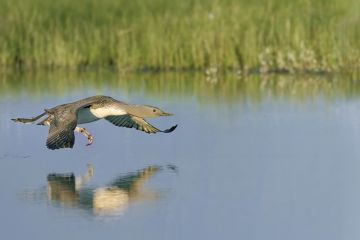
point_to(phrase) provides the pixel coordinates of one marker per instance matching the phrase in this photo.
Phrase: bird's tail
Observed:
(28, 120)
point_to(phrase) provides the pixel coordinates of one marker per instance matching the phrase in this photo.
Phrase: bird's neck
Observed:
(138, 110)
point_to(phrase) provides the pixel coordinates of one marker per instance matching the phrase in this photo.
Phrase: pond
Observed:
(255, 157)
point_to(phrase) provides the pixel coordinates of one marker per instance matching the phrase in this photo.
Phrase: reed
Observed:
(261, 36)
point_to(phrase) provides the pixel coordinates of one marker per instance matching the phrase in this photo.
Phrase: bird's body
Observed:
(63, 119)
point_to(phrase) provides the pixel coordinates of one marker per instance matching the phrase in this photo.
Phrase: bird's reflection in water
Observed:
(70, 191)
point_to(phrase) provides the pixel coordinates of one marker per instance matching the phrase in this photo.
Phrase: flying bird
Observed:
(64, 119)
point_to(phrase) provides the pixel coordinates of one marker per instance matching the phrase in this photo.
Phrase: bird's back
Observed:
(74, 106)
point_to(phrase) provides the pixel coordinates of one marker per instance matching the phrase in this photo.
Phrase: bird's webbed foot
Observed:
(84, 132)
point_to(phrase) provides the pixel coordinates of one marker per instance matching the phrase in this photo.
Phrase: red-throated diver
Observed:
(63, 119)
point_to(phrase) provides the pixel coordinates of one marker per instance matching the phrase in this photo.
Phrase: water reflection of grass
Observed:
(268, 35)
(224, 88)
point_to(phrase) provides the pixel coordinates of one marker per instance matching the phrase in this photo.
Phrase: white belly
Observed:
(105, 112)
(85, 116)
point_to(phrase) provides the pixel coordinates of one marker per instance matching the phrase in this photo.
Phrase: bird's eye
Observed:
(154, 110)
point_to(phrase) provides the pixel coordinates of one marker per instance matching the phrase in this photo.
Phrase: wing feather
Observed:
(61, 131)
(138, 123)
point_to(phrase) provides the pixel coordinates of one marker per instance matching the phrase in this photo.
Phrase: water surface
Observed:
(272, 157)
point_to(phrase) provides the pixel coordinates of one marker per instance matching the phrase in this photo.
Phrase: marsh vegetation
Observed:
(261, 36)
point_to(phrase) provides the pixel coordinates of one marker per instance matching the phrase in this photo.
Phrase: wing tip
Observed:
(54, 147)
(170, 129)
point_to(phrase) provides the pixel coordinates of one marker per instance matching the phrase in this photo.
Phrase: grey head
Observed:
(146, 111)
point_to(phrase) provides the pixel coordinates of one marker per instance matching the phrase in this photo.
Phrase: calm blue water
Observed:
(265, 165)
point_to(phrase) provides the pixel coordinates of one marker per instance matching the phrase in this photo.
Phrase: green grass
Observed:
(259, 35)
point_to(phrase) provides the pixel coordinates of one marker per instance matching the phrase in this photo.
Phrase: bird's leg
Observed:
(86, 134)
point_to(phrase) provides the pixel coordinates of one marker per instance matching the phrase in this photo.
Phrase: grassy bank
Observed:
(265, 35)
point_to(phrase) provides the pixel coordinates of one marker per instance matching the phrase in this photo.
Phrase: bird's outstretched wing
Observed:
(138, 123)
(61, 131)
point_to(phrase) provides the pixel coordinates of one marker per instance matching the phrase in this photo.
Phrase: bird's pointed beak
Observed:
(166, 114)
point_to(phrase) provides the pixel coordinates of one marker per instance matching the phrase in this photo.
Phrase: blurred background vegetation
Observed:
(246, 36)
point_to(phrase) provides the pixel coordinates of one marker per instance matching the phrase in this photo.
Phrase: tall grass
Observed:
(261, 35)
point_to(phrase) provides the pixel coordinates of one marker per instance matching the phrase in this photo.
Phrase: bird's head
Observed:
(151, 112)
